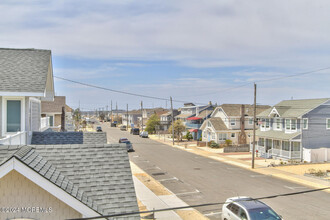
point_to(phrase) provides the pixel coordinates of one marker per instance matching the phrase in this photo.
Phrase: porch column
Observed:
(290, 143)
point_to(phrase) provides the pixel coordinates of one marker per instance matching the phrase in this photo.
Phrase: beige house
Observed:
(62, 182)
(230, 121)
(53, 110)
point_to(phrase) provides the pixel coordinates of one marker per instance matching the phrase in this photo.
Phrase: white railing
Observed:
(14, 139)
(44, 123)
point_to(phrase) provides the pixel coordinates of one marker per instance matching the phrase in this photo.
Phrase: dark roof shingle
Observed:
(97, 175)
(55, 138)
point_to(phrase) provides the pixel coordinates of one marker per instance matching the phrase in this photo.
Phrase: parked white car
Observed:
(245, 208)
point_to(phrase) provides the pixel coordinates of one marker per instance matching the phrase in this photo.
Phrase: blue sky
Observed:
(186, 49)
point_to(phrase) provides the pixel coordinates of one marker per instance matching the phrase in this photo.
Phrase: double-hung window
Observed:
(291, 124)
(233, 121)
(222, 136)
(13, 115)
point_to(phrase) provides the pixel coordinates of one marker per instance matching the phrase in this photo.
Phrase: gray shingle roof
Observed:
(235, 109)
(54, 138)
(24, 70)
(97, 175)
(218, 124)
(294, 108)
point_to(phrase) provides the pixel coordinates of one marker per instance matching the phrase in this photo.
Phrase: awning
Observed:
(194, 118)
(193, 130)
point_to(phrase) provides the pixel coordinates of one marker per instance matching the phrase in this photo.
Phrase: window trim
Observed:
(4, 113)
(327, 126)
(250, 121)
(230, 121)
(303, 123)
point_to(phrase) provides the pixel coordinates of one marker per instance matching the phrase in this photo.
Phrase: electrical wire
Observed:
(202, 205)
(123, 92)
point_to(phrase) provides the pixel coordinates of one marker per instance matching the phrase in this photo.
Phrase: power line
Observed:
(201, 205)
(122, 92)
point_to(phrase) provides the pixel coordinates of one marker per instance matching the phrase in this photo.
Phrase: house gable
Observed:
(15, 164)
(16, 185)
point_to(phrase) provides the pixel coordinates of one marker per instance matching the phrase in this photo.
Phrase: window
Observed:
(51, 121)
(232, 135)
(328, 123)
(291, 124)
(295, 146)
(213, 135)
(286, 145)
(287, 124)
(234, 208)
(222, 136)
(204, 133)
(13, 115)
(261, 142)
(242, 214)
(250, 121)
(267, 123)
(208, 124)
(305, 123)
(232, 121)
(278, 123)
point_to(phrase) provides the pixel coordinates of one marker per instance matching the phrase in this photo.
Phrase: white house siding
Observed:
(0, 115)
(14, 185)
(35, 115)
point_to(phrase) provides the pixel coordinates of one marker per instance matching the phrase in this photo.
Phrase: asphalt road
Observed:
(196, 180)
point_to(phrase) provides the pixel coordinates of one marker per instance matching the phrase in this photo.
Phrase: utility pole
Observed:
(126, 117)
(111, 113)
(254, 124)
(141, 116)
(117, 114)
(172, 119)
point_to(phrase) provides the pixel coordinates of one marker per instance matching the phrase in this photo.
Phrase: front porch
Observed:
(284, 149)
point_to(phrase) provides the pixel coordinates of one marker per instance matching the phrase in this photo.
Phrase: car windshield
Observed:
(263, 214)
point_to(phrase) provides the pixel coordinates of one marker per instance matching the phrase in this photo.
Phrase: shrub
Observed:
(228, 142)
(200, 139)
(188, 136)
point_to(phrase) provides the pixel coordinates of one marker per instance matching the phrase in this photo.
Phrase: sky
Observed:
(194, 51)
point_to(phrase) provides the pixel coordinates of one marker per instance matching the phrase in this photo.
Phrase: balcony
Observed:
(18, 138)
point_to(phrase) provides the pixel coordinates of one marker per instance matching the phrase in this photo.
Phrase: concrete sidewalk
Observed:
(151, 201)
(261, 165)
(153, 195)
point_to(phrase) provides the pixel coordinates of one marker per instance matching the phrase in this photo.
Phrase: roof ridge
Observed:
(30, 49)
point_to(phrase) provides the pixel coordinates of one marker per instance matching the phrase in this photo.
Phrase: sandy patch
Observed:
(152, 184)
(304, 168)
(190, 214)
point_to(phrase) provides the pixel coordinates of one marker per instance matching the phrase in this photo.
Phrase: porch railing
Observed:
(14, 139)
(44, 123)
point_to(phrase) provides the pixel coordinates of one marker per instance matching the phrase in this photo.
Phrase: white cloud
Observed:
(214, 33)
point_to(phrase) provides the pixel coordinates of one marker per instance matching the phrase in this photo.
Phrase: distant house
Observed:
(193, 116)
(53, 110)
(146, 113)
(66, 181)
(230, 121)
(26, 79)
(165, 120)
(296, 129)
(131, 118)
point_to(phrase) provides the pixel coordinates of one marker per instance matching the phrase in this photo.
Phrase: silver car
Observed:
(245, 208)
